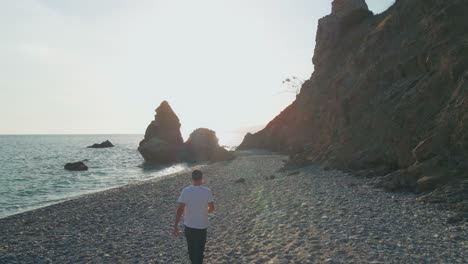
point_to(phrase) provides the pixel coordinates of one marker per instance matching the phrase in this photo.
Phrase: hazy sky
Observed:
(103, 66)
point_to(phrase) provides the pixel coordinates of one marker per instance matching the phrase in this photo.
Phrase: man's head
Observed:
(197, 177)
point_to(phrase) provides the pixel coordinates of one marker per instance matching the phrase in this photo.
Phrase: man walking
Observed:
(195, 202)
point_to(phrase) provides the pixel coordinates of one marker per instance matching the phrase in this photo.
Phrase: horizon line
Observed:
(68, 134)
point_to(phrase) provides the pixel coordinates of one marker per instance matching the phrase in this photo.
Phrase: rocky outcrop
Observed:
(389, 93)
(163, 141)
(202, 145)
(342, 8)
(105, 144)
(345, 14)
(76, 166)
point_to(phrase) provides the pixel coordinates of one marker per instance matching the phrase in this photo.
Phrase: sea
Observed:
(32, 173)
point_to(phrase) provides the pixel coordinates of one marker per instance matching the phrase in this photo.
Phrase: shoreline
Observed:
(90, 192)
(303, 216)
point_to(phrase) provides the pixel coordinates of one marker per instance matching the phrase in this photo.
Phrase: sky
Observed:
(103, 66)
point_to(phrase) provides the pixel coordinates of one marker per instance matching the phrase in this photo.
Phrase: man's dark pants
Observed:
(196, 240)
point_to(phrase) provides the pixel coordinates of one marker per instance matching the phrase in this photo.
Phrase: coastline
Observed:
(181, 167)
(302, 216)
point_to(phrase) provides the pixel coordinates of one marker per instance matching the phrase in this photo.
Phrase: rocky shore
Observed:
(308, 215)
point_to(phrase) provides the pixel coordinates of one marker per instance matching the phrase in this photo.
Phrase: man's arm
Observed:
(211, 207)
(179, 212)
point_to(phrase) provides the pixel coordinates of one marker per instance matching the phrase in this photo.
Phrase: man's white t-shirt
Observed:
(196, 199)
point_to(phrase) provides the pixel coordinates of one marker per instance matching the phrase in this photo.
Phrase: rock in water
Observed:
(155, 150)
(105, 144)
(163, 141)
(76, 166)
(203, 145)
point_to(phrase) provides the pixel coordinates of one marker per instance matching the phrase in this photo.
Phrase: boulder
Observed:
(76, 166)
(105, 144)
(240, 180)
(156, 150)
(202, 145)
(399, 180)
(163, 141)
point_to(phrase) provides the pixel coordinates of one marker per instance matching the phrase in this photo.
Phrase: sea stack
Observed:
(163, 141)
(202, 145)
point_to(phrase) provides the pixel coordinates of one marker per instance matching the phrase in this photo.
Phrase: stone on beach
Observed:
(156, 150)
(240, 180)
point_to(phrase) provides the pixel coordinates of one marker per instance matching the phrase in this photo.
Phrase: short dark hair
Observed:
(197, 174)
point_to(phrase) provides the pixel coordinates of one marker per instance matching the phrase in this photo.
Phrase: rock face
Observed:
(202, 145)
(163, 141)
(105, 144)
(389, 93)
(76, 166)
(341, 8)
(345, 14)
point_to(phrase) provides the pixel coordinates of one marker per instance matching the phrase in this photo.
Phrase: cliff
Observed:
(389, 96)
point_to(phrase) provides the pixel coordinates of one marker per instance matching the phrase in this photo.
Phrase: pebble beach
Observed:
(263, 215)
